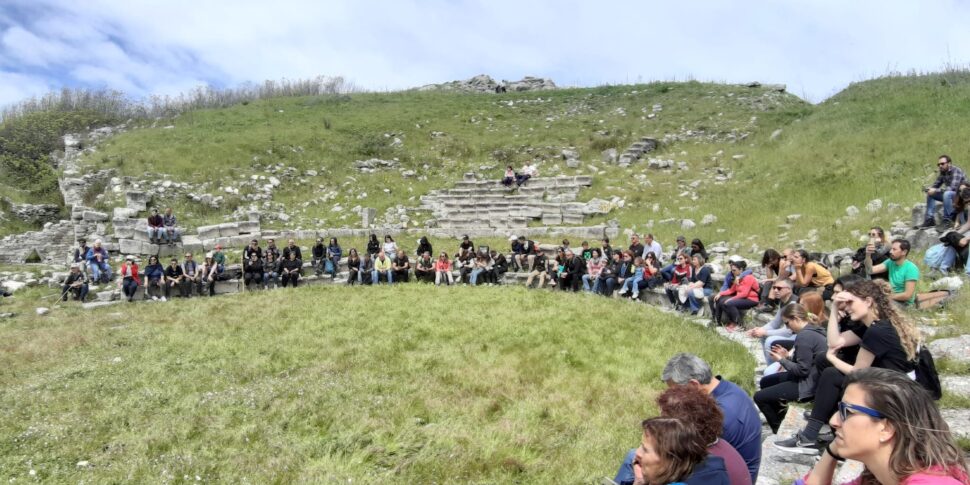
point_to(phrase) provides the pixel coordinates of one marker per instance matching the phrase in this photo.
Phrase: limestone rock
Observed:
(687, 224)
(874, 205)
(609, 155)
(852, 211)
(43, 310)
(708, 219)
(956, 348)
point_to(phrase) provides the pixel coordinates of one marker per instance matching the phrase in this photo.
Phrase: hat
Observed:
(681, 239)
(218, 246)
(81, 240)
(130, 257)
(209, 254)
(734, 258)
(75, 265)
(513, 237)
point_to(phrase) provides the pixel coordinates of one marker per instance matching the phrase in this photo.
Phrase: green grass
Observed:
(412, 383)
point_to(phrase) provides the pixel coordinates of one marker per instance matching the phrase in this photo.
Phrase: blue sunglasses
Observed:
(846, 410)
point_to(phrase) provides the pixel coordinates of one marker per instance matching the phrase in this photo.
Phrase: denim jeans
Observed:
(946, 197)
(694, 302)
(473, 278)
(155, 233)
(771, 340)
(632, 284)
(375, 280)
(586, 279)
(624, 476)
(100, 272)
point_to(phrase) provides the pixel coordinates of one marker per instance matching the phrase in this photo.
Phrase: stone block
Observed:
(208, 232)
(129, 246)
(248, 227)
(124, 213)
(227, 286)
(239, 241)
(228, 229)
(94, 216)
(568, 218)
(551, 218)
(137, 201)
(191, 244)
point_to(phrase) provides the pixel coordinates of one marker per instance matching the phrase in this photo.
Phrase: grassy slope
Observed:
(336, 383)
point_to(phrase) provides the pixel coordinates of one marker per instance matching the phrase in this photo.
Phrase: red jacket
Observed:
(440, 265)
(133, 268)
(746, 287)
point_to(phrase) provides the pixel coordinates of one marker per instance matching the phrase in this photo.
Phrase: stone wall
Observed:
(52, 244)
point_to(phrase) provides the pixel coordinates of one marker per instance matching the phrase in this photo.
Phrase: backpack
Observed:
(934, 256)
(926, 374)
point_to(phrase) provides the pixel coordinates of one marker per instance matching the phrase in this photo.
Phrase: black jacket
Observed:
(424, 246)
(295, 249)
(291, 265)
(319, 251)
(808, 343)
(574, 266)
(252, 266)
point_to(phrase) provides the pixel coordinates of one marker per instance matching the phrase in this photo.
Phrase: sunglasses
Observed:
(846, 410)
(778, 288)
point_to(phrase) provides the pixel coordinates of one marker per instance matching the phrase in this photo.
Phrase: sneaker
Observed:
(622, 292)
(635, 296)
(164, 299)
(826, 436)
(926, 224)
(946, 224)
(798, 444)
(154, 298)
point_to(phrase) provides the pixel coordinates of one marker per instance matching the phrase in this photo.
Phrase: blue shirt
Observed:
(742, 426)
(729, 278)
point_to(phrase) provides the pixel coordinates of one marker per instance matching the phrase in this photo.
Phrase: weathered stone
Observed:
(687, 224)
(35, 214)
(956, 348)
(137, 200)
(609, 155)
(123, 213)
(874, 205)
(94, 216)
(851, 211)
(708, 219)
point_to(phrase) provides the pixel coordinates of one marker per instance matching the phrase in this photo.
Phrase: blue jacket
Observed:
(729, 277)
(709, 472)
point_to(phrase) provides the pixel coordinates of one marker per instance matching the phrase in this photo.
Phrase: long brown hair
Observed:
(879, 292)
(679, 446)
(922, 439)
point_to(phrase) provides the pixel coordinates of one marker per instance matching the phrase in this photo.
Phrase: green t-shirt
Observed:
(900, 274)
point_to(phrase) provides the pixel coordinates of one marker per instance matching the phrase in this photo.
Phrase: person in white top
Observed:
(650, 245)
(528, 171)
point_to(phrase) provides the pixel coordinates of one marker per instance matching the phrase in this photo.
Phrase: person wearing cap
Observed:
(516, 248)
(154, 273)
(171, 230)
(220, 259)
(156, 227)
(129, 278)
(75, 283)
(466, 244)
(81, 254)
(174, 277)
(97, 258)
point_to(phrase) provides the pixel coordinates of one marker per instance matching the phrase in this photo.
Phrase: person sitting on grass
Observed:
(632, 285)
(383, 269)
(128, 284)
(353, 267)
(798, 381)
(693, 405)
(673, 452)
(174, 278)
(290, 269)
(334, 253)
(366, 274)
(903, 274)
(252, 272)
(424, 268)
(811, 276)
(889, 423)
(442, 270)
(76, 283)
(944, 189)
(594, 267)
(742, 295)
(154, 274)
(271, 271)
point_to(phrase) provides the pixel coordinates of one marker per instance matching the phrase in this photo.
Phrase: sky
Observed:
(143, 48)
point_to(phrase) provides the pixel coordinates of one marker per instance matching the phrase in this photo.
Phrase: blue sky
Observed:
(145, 48)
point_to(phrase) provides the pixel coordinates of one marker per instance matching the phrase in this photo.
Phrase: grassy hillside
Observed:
(356, 385)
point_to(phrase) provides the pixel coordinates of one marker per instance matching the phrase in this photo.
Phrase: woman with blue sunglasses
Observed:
(888, 422)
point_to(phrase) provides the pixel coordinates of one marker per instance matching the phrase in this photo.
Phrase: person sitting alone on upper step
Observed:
(170, 223)
(509, 177)
(944, 189)
(156, 227)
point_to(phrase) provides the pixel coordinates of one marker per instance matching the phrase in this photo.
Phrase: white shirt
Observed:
(529, 169)
(654, 248)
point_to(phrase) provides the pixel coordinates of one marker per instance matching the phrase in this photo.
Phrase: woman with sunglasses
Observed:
(889, 423)
(886, 339)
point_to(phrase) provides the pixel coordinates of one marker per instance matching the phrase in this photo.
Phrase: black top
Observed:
(637, 249)
(319, 250)
(883, 342)
(173, 273)
(704, 276)
(353, 263)
(401, 263)
(296, 249)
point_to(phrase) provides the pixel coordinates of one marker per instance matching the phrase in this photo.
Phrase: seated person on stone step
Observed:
(424, 246)
(797, 382)
(636, 247)
(605, 249)
(334, 253)
(586, 253)
(651, 272)
(424, 268)
(171, 226)
(156, 227)
(208, 273)
(877, 237)
(955, 255)
(536, 268)
(442, 270)
(128, 284)
(700, 285)
(651, 245)
(625, 271)
(76, 283)
(606, 282)
(383, 269)
(154, 275)
(811, 276)
(353, 266)
(401, 266)
(252, 272)
(729, 277)
(81, 254)
(903, 274)
(571, 276)
(631, 285)
(174, 278)
(774, 332)
(769, 264)
(390, 247)
(667, 271)
(367, 269)
(271, 248)
(318, 254)
(594, 267)
(220, 259)
(529, 170)
(252, 248)
(466, 245)
(465, 263)
(291, 247)
(681, 276)
(98, 263)
(524, 259)
(290, 270)
(482, 264)
(499, 266)
(509, 177)
(192, 273)
(961, 204)
(515, 249)
(271, 271)
(944, 189)
(743, 295)
(373, 245)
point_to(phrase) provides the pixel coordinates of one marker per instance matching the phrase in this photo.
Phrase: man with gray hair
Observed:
(742, 424)
(776, 332)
